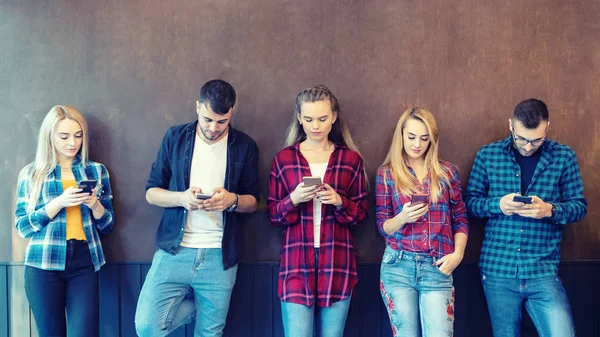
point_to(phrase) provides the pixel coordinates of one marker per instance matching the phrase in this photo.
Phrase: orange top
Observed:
(74, 222)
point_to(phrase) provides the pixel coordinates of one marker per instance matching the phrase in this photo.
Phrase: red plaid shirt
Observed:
(337, 258)
(433, 233)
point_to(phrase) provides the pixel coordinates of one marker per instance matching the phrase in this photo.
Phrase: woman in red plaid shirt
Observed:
(425, 241)
(317, 267)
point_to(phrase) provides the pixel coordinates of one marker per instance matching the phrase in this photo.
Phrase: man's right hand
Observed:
(188, 200)
(508, 206)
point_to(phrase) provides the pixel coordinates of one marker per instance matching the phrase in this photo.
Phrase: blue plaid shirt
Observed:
(515, 245)
(47, 247)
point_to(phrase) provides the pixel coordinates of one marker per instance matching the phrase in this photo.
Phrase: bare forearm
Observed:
(393, 225)
(163, 198)
(53, 207)
(246, 204)
(98, 210)
(460, 242)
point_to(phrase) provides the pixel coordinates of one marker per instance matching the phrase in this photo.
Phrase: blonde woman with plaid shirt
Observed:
(63, 223)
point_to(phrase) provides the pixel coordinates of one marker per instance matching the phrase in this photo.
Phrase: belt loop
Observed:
(400, 255)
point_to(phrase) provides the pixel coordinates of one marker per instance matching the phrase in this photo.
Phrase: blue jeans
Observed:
(419, 298)
(178, 289)
(545, 300)
(75, 290)
(298, 319)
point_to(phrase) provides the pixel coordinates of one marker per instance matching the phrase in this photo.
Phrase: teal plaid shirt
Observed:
(515, 246)
(47, 248)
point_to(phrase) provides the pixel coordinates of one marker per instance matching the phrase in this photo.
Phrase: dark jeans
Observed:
(74, 289)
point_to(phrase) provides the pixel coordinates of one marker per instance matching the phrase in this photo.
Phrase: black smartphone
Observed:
(87, 186)
(419, 199)
(203, 196)
(311, 181)
(520, 198)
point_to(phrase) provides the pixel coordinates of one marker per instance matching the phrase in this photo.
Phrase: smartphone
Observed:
(87, 186)
(203, 196)
(311, 181)
(419, 199)
(520, 198)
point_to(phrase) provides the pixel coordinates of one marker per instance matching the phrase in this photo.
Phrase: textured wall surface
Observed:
(134, 69)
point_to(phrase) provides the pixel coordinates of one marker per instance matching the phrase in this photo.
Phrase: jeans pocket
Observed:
(441, 273)
(155, 263)
(390, 256)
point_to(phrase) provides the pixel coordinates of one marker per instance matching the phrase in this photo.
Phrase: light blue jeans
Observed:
(298, 319)
(545, 300)
(178, 289)
(419, 298)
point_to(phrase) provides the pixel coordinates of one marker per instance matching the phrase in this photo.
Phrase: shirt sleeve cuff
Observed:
(288, 206)
(494, 205)
(557, 218)
(42, 219)
(343, 206)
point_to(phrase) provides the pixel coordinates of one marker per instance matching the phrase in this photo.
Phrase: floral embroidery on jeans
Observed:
(389, 304)
(450, 312)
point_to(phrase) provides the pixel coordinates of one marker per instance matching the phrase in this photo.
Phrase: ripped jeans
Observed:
(419, 298)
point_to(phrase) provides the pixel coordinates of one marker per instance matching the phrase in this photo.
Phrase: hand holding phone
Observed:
(87, 186)
(419, 199)
(520, 198)
(311, 181)
(305, 191)
(512, 203)
(418, 206)
(202, 196)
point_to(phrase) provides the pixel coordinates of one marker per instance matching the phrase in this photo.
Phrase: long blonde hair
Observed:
(339, 134)
(45, 156)
(397, 158)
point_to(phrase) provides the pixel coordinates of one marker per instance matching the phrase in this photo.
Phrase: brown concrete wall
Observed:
(135, 67)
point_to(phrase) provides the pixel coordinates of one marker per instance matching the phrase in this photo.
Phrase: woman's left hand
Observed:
(448, 263)
(327, 195)
(94, 205)
(91, 200)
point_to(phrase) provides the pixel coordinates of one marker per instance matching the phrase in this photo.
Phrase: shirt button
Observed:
(518, 249)
(521, 231)
(516, 175)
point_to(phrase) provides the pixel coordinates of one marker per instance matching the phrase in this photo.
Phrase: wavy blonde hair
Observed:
(45, 156)
(397, 158)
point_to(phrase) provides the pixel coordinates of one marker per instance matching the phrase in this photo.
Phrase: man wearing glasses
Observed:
(521, 249)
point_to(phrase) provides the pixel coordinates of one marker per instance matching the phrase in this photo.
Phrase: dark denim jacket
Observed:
(171, 171)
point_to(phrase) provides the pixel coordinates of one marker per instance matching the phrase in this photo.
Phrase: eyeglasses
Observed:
(524, 141)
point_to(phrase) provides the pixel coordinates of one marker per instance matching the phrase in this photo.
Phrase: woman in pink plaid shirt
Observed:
(317, 266)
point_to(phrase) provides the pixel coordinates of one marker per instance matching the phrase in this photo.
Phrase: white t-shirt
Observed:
(317, 170)
(209, 161)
